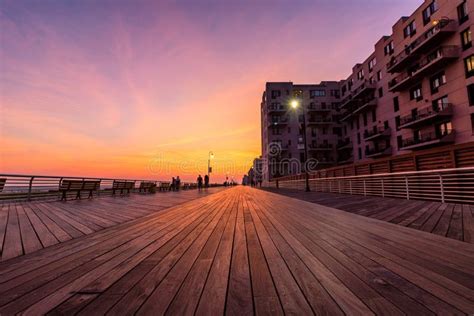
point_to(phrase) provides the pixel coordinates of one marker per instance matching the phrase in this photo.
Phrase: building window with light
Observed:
(388, 49)
(410, 29)
(437, 81)
(462, 12)
(466, 39)
(372, 63)
(445, 129)
(469, 66)
(428, 12)
(276, 94)
(470, 94)
(317, 93)
(416, 93)
(360, 74)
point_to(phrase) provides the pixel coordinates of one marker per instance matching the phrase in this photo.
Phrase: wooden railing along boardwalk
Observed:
(244, 251)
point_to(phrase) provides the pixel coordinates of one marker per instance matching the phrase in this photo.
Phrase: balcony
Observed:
(360, 91)
(359, 107)
(346, 144)
(320, 120)
(429, 140)
(274, 108)
(426, 41)
(319, 108)
(345, 160)
(278, 123)
(320, 147)
(325, 161)
(433, 61)
(377, 133)
(427, 116)
(378, 152)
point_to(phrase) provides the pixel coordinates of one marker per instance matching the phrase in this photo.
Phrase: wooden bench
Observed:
(2, 183)
(78, 186)
(164, 186)
(122, 186)
(146, 186)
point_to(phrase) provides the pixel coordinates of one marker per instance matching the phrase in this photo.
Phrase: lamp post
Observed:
(210, 156)
(295, 104)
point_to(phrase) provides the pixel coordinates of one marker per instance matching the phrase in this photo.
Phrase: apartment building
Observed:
(289, 110)
(415, 91)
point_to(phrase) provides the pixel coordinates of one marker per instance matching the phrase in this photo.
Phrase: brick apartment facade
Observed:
(415, 91)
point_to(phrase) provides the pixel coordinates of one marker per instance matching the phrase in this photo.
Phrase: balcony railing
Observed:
(434, 61)
(322, 147)
(320, 120)
(360, 91)
(378, 152)
(426, 115)
(444, 26)
(359, 106)
(378, 132)
(275, 123)
(428, 139)
(318, 108)
(276, 108)
(345, 144)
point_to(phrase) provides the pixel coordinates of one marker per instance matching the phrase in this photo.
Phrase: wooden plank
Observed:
(45, 236)
(3, 224)
(12, 246)
(455, 230)
(29, 238)
(468, 224)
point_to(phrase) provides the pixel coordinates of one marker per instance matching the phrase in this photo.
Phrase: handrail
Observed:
(454, 185)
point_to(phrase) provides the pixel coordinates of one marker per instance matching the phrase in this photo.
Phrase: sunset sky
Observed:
(144, 89)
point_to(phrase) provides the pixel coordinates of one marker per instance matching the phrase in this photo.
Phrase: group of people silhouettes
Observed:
(175, 184)
(200, 182)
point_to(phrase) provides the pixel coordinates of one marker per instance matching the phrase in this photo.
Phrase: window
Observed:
(350, 83)
(397, 123)
(388, 49)
(371, 80)
(357, 123)
(410, 29)
(360, 153)
(385, 124)
(289, 130)
(441, 103)
(462, 12)
(276, 94)
(276, 131)
(415, 93)
(374, 116)
(317, 93)
(445, 129)
(337, 131)
(396, 105)
(358, 138)
(437, 81)
(469, 66)
(466, 39)
(380, 92)
(472, 123)
(335, 93)
(365, 119)
(372, 63)
(360, 74)
(379, 75)
(399, 142)
(428, 12)
(470, 93)
(352, 125)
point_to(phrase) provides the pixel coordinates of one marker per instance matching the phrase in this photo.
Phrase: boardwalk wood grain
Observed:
(241, 251)
(449, 220)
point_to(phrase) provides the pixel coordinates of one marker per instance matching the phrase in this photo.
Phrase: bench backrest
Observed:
(2, 183)
(164, 185)
(68, 184)
(123, 184)
(146, 185)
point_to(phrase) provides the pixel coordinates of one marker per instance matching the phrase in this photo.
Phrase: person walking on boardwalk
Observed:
(178, 183)
(199, 181)
(173, 184)
(206, 181)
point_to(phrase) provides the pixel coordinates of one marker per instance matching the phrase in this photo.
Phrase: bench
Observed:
(146, 186)
(164, 186)
(78, 186)
(2, 183)
(122, 186)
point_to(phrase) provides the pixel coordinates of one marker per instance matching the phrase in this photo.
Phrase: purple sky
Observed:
(110, 87)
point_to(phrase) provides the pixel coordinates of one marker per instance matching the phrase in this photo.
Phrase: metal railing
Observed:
(33, 187)
(444, 185)
(426, 112)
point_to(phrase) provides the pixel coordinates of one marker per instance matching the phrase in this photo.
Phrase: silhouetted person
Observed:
(173, 184)
(199, 181)
(206, 181)
(178, 183)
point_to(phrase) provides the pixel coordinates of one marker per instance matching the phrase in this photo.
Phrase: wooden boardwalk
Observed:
(454, 221)
(29, 226)
(244, 251)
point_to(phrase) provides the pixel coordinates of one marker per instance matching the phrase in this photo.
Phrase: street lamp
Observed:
(210, 156)
(295, 105)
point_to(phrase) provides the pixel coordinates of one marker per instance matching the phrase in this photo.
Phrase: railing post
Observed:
(30, 188)
(407, 188)
(441, 187)
(350, 186)
(383, 189)
(365, 190)
(339, 184)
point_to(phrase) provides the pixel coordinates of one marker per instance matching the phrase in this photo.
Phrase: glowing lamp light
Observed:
(435, 22)
(294, 104)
